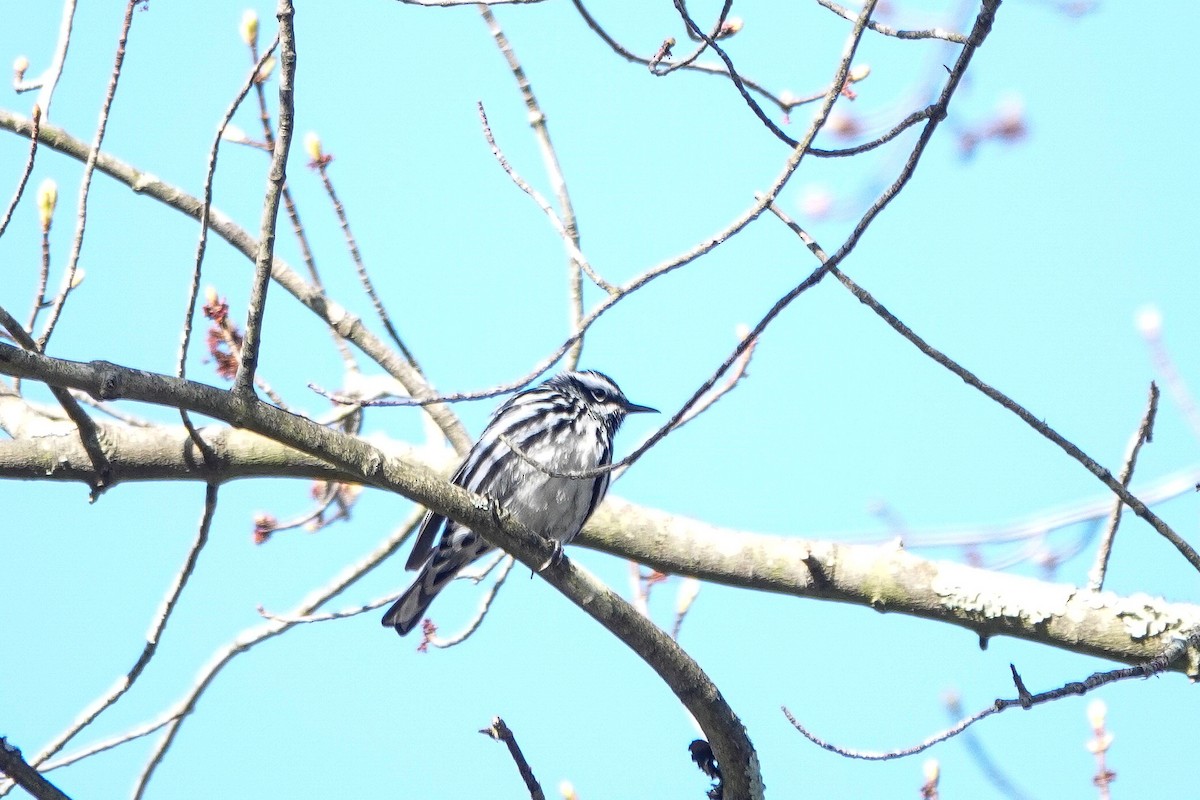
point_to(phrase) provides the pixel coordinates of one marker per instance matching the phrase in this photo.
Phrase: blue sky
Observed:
(1027, 262)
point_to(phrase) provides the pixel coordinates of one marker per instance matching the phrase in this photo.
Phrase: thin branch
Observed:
(202, 244)
(13, 764)
(685, 596)
(243, 385)
(995, 773)
(868, 755)
(1045, 430)
(506, 563)
(1143, 435)
(85, 182)
(568, 241)
(345, 613)
(117, 414)
(330, 312)
(784, 101)
(206, 208)
(1160, 663)
(153, 636)
(33, 143)
(541, 131)
(740, 367)
(258, 634)
(326, 494)
(1150, 323)
(879, 27)
(502, 733)
(48, 80)
(47, 200)
(321, 164)
(905, 124)
(104, 745)
(743, 90)
(762, 201)
(250, 34)
(268, 146)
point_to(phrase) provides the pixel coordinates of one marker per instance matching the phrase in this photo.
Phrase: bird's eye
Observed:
(599, 395)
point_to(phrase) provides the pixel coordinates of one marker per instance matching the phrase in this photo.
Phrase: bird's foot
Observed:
(557, 557)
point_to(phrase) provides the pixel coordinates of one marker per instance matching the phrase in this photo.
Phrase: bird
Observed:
(565, 424)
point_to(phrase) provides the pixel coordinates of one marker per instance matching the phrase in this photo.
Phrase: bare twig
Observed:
(244, 383)
(1024, 700)
(326, 494)
(250, 35)
(905, 124)
(995, 773)
(879, 27)
(202, 244)
(33, 143)
(115, 413)
(740, 366)
(710, 41)
(1045, 430)
(345, 613)
(541, 131)
(485, 605)
(762, 201)
(131, 735)
(85, 182)
(262, 73)
(568, 241)
(1143, 435)
(170, 600)
(1099, 746)
(48, 80)
(502, 733)
(325, 308)
(1149, 321)
(1044, 522)
(321, 164)
(206, 209)
(685, 596)
(47, 199)
(784, 101)
(714, 33)
(253, 636)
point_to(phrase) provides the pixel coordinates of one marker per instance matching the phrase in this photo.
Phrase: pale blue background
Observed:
(1027, 263)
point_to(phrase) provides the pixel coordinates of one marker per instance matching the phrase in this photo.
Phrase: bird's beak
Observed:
(634, 408)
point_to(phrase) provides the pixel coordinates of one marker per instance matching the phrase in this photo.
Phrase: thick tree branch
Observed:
(1126, 629)
(13, 764)
(46, 446)
(370, 465)
(885, 577)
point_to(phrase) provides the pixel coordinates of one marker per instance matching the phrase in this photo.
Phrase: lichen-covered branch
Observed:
(887, 578)
(884, 577)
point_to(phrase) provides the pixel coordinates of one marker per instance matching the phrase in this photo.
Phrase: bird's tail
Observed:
(406, 613)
